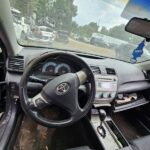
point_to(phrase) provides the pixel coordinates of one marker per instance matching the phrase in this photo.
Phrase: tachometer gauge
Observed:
(49, 68)
(62, 69)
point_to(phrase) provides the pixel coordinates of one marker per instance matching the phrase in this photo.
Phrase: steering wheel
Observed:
(62, 91)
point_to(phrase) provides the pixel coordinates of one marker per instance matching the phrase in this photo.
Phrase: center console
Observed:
(113, 139)
(106, 85)
(109, 135)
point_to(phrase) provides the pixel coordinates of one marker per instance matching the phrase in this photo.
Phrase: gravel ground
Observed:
(77, 46)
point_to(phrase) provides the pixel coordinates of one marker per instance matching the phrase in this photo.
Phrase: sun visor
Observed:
(136, 8)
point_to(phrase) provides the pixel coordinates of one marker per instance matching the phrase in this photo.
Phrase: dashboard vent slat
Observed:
(16, 64)
(95, 69)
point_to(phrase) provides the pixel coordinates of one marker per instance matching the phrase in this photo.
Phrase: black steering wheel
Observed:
(62, 91)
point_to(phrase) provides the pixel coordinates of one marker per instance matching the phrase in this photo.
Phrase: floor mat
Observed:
(36, 137)
(33, 136)
(70, 137)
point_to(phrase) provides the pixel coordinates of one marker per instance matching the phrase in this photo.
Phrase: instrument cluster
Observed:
(52, 68)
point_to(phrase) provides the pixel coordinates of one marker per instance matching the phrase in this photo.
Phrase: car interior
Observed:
(88, 89)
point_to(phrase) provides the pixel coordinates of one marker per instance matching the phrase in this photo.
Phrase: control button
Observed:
(99, 95)
(13, 86)
(106, 95)
(112, 95)
(114, 79)
(120, 96)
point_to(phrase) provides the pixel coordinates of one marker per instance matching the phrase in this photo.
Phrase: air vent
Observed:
(95, 69)
(110, 71)
(16, 64)
(147, 74)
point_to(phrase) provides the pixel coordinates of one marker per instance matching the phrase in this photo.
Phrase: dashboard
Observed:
(127, 82)
(105, 78)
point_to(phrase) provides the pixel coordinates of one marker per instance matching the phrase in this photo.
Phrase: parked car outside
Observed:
(62, 36)
(42, 34)
(22, 29)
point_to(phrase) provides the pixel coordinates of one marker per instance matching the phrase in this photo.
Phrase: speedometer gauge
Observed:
(62, 69)
(49, 68)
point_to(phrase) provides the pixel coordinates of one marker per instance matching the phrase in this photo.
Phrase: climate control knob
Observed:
(106, 95)
(112, 95)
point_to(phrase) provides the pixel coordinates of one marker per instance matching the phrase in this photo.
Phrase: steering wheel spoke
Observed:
(72, 106)
(38, 102)
(82, 76)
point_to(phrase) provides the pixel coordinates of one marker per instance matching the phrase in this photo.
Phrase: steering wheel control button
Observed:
(38, 102)
(62, 88)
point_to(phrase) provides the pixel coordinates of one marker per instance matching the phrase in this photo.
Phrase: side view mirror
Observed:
(140, 27)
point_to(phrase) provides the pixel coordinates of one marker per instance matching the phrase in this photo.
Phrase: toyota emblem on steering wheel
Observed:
(62, 88)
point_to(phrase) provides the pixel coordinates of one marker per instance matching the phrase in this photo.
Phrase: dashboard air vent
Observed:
(95, 69)
(110, 71)
(147, 74)
(16, 64)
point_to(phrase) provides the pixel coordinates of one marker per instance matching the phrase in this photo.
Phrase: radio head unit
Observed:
(106, 88)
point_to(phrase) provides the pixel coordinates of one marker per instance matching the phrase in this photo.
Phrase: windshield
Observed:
(89, 26)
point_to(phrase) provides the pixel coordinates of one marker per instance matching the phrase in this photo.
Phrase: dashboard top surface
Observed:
(126, 72)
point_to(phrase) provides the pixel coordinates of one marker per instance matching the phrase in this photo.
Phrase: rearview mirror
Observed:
(140, 27)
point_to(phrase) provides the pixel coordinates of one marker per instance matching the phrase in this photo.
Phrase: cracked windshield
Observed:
(88, 26)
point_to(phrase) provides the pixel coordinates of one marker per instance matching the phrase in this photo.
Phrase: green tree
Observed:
(104, 31)
(87, 30)
(74, 27)
(41, 9)
(25, 6)
(62, 12)
(120, 33)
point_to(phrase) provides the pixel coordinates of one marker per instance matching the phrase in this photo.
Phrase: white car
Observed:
(21, 28)
(42, 34)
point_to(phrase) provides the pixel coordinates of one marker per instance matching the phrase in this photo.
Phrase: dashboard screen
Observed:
(103, 85)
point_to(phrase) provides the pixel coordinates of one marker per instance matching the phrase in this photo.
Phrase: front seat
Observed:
(80, 148)
(142, 143)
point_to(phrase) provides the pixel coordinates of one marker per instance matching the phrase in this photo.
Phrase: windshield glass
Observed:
(89, 26)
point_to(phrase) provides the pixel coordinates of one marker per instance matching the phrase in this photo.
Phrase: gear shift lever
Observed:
(100, 128)
(102, 116)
